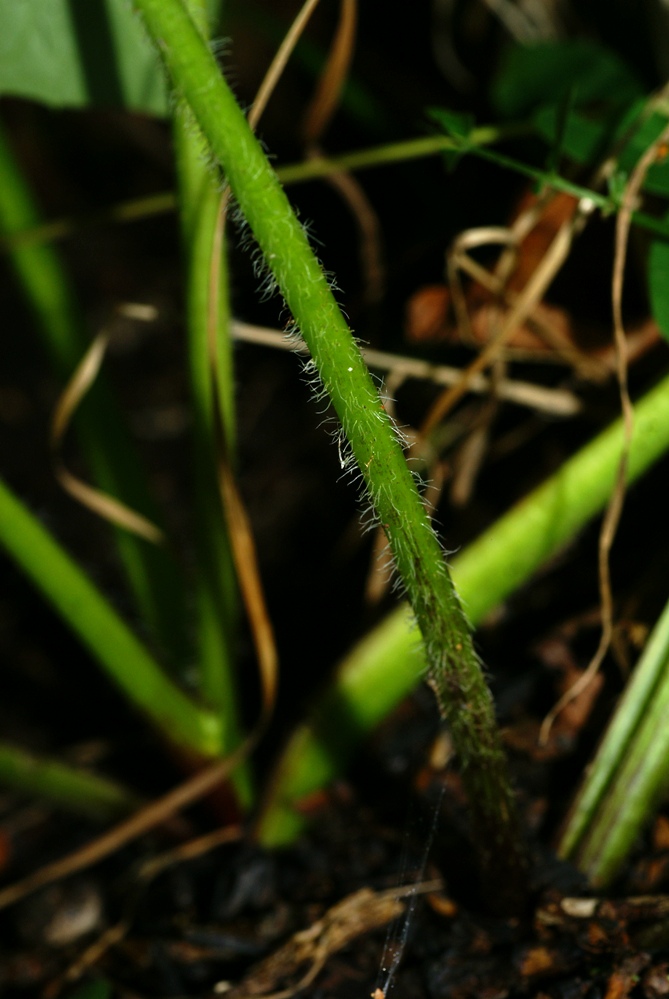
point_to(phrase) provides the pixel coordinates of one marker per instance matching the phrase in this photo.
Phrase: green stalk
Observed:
(339, 369)
(624, 783)
(360, 159)
(75, 790)
(110, 453)
(91, 617)
(38, 269)
(215, 579)
(215, 582)
(607, 204)
(146, 206)
(385, 666)
(397, 152)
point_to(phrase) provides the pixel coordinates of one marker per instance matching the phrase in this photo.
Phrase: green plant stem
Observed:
(454, 669)
(395, 152)
(215, 577)
(389, 662)
(212, 396)
(102, 631)
(75, 790)
(629, 773)
(111, 456)
(315, 169)
(292, 173)
(604, 202)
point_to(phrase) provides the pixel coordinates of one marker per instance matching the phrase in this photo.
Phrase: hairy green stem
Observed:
(341, 374)
(389, 662)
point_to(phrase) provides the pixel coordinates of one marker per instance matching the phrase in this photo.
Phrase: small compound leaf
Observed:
(658, 284)
(79, 53)
(531, 76)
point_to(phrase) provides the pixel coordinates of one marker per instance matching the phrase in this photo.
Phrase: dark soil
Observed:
(203, 926)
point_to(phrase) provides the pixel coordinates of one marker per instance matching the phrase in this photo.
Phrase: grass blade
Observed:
(207, 304)
(150, 570)
(65, 786)
(123, 657)
(629, 773)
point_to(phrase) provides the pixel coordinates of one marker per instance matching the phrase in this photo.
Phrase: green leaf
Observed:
(92, 618)
(582, 137)
(658, 283)
(531, 76)
(453, 123)
(657, 178)
(78, 53)
(458, 126)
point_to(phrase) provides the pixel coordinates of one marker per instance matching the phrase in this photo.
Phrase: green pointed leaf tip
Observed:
(459, 127)
(77, 53)
(531, 76)
(453, 123)
(658, 283)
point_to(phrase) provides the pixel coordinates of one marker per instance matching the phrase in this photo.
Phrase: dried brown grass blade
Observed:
(279, 61)
(189, 851)
(370, 249)
(142, 821)
(99, 502)
(526, 300)
(558, 402)
(328, 92)
(237, 521)
(316, 120)
(495, 282)
(250, 584)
